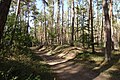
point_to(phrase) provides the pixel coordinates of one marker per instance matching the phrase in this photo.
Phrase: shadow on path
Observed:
(67, 69)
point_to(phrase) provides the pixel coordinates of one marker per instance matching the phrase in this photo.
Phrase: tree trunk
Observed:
(28, 11)
(52, 39)
(92, 36)
(62, 22)
(67, 35)
(102, 31)
(77, 22)
(69, 29)
(58, 23)
(107, 31)
(89, 18)
(4, 9)
(112, 30)
(72, 33)
(35, 31)
(97, 28)
(45, 28)
(83, 32)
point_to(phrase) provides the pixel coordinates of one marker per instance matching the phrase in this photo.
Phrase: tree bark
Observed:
(89, 18)
(67, 35)
(112, 30)
(62, 22)
(107, 31)
(92, 36)
(28, 11)
(77, 22)
(72, 33)
(58, 23)
(4, 9)
(52, 39)
(45, 27)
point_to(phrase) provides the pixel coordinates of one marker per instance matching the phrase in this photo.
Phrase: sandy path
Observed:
(66, 69)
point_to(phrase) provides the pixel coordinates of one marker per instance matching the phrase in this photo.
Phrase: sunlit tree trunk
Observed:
(45, 27)
(77, 22)
(52, 39)
(112, 30)
(97, 28)
(69, 28)
(4, 9)
(110, 13)
(107, 31)
(68, 20)
(58, 23)
(62, 22)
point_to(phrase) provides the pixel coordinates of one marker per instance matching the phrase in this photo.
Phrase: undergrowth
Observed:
(23, 64)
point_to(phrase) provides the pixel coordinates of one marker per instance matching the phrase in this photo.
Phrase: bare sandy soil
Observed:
(66, 68)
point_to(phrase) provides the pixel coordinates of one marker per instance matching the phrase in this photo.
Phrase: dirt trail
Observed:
(67, 69)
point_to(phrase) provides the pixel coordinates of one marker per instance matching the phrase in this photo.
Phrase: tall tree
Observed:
(62, 22)
(35, 16)
(107, 31)
(58, 22)
(4, 9)
(77, 22)
(91, 19)
(69, 20)
(45, 27)
(72, 32)
(52, 39)
(102, 26)
(110, 14)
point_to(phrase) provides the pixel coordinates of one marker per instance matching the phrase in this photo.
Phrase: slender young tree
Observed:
(28, 11)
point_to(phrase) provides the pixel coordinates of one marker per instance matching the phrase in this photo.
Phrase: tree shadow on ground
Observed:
(90, 73)
(73, 71)
(105, 67)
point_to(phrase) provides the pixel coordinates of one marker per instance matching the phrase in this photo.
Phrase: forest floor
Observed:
(74, 63)
(23, 64)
